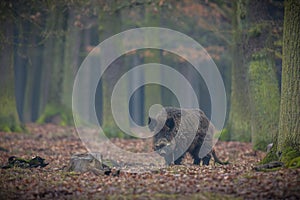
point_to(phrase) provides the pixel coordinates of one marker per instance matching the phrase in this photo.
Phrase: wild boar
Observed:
(183, 130)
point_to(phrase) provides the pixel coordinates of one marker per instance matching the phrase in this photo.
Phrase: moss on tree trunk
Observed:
(287, 147)
(254, 106)
(289, 124)
(113, 73)
(239, 118)
(264, 96)
(263, 84)
(55, 111)
(9, 120)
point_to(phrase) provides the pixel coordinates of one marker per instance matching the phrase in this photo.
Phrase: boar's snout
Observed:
(160, 146)
(160, 143)
(163, 147)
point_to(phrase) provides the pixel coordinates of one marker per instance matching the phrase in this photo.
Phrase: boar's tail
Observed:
(217, 160)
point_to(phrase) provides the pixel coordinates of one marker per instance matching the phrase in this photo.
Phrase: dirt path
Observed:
(57, 144)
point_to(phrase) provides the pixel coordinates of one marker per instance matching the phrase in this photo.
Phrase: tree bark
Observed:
(239, 118)
(254, 109)
(289, 124)
(54, 71)
(9, 120)
(152, 92)
(286, 146)
(263, 84)
(71, 57)
(264, 97)
(31, 102)
(113, 72)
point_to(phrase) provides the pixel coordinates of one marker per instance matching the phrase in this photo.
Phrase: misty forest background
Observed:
(43, 43)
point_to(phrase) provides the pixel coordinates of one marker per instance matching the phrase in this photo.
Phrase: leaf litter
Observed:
(57, 144)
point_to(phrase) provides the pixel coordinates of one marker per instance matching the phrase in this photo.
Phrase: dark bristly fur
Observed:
(169, 140)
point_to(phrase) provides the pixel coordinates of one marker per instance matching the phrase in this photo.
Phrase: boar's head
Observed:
(163, 140)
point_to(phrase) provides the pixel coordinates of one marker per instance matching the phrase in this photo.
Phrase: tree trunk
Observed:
(264, 97)
(136, 105)
(239, 118)
(113, 73)
(254, 107)
(55, 111)
(263, 84)
(289, 124)
(152, 92)
(33, 68)
(286, 146)
(71, 58)
(9, 120)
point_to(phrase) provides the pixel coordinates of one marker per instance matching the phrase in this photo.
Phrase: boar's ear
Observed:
(151, 123)
(170, 123)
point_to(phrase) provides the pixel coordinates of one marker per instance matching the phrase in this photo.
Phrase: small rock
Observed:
(85, 162)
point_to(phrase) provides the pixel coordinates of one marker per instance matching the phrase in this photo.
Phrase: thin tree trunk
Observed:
(31, 108)
(55, 111)
(264, 96)
(239, 118)
(263, 84)
(9, 120)
(71, 58)
(152, 92)
(112, 73)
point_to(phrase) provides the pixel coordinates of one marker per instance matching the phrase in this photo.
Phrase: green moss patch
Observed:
(10, 124)
(271, 156)
(294, 163)
(291, 158)
(59, 115)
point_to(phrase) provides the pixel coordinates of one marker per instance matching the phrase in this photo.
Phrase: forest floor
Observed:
(57, 144)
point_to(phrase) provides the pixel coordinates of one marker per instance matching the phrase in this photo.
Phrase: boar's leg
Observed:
(206, 159)
(197, 161)
(196, 158)
(179, 160)
(177, 152)
(168, 159)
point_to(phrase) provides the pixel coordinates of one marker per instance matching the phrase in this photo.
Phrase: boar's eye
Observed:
(170, 123)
